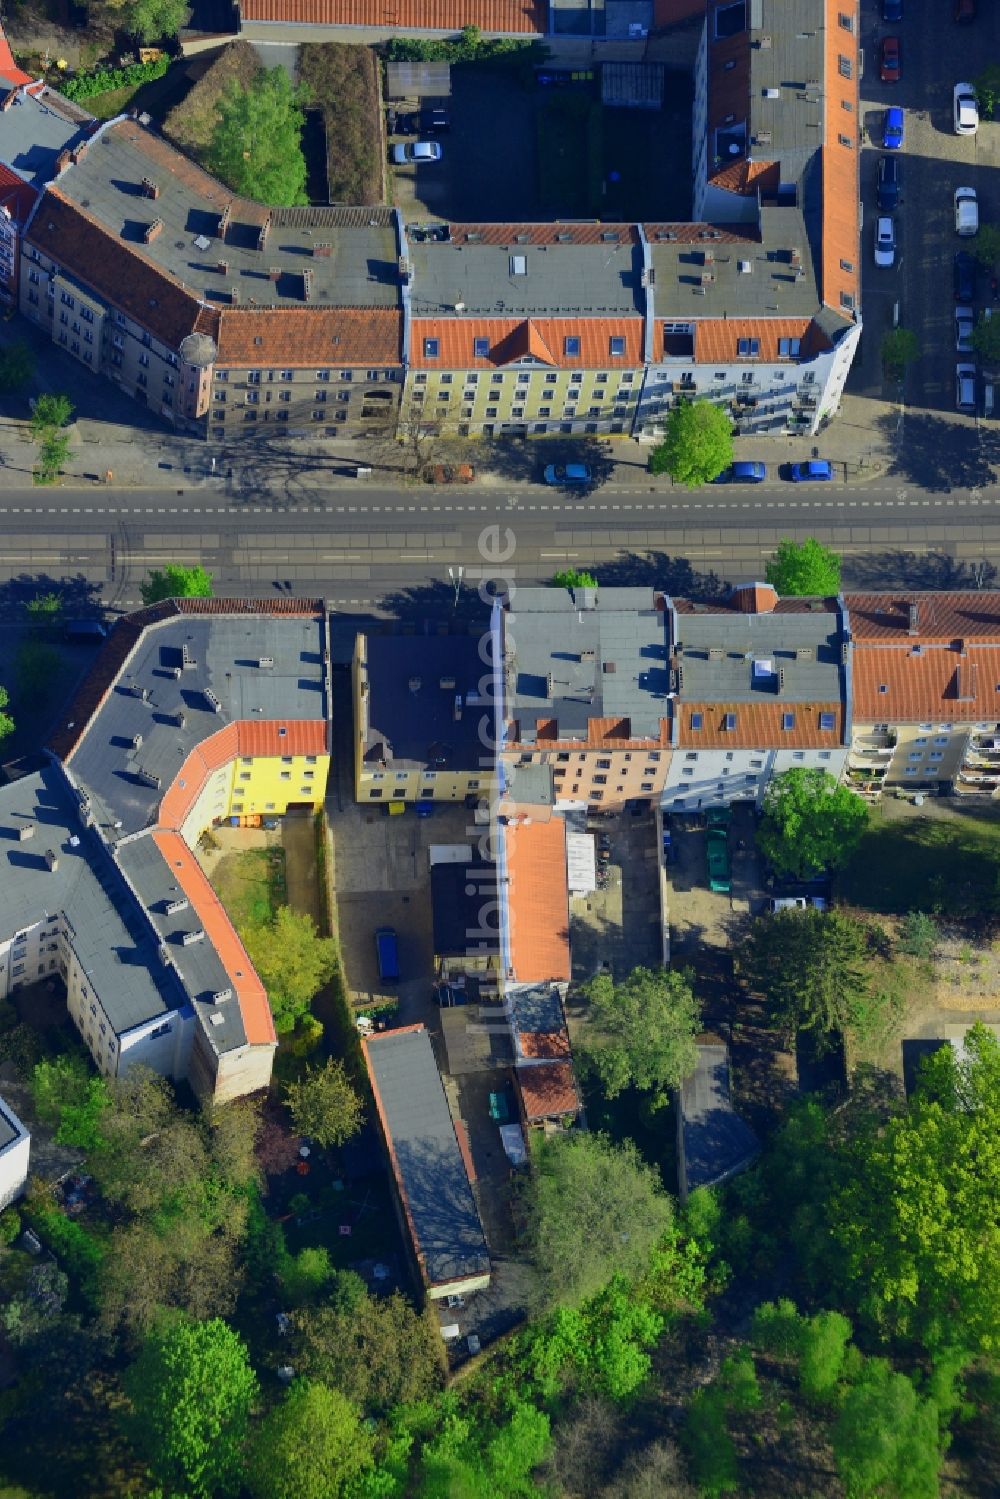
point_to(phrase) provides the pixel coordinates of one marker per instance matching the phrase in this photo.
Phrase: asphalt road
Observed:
(374, 548)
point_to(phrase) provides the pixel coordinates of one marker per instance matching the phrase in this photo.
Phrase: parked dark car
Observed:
(890, 67)
(892, 10)
(434, 121)
(965, 276)
(887, 184)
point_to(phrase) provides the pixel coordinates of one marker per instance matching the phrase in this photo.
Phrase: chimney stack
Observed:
(914, 618)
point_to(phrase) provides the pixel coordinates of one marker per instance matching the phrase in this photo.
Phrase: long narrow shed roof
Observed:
(427, 1161)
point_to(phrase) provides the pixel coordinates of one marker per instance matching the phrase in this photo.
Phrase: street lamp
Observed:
(455, 574)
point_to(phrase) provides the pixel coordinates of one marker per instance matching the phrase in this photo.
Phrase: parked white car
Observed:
(964, 322)
(966, 109)
(966, 211)
(885, 241)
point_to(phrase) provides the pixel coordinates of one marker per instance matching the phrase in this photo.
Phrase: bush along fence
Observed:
(103, 80)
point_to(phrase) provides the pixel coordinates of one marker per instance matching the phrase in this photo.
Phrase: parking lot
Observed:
(489, 167)
(381, 876)
(618, 927)
(934, 161)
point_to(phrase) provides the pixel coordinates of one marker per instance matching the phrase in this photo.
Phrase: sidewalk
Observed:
(139, 458)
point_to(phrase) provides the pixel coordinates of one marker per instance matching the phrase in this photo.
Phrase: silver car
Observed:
(964, 323)
(965, 387)
(416, 151)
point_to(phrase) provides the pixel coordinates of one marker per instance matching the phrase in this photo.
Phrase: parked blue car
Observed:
(816, 468)
(892, 129)
(742, 473)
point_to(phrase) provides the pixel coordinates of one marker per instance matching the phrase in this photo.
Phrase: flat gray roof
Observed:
(35, 129)
(800, 653)
(360, 268)
(113, 944)
(11, 1128)
(479, 279)
(413, 682)
(427, 1162)
(198, 964)
(535, 1009)
(793, 64)
(773, 287)
(583, 654)
(225, 650)
(716, 1142)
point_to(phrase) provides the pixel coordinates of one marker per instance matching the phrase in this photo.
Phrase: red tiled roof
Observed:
(246, 737)
(716, 340)
(788, 605)
(747, 177)
(554, 232)
(515, 338)
(506, 16)
(602, 733)
(82, 246)
(10, 73)
(254, 1008)
(839, 235)
(939, 616)
(297, 337)
(535, 1044)
(16, 195)
(755, 598)
(956, 682)
(691, 234)
(758, 725)
(538, 900)
(547, 1088)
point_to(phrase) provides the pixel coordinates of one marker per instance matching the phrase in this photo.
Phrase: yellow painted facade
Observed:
(385, 782)
(269, 785)
(468, 402)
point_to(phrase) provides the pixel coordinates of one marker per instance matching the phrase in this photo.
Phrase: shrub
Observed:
(103, 80)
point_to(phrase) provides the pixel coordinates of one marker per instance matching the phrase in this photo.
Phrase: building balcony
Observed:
(874, 744)
(981, 764)
(966, 784)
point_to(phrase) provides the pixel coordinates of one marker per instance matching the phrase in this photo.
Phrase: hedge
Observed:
(103, 80)
(471, 46)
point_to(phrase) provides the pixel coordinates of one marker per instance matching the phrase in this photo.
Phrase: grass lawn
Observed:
(114, 102)
(251, 885)
(946, 862)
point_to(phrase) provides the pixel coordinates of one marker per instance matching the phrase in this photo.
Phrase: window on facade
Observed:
(571, 346)
(788, 348)
(844, 66)
(748, 348)
(432, 348)
(827, 721)
(616, 347)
